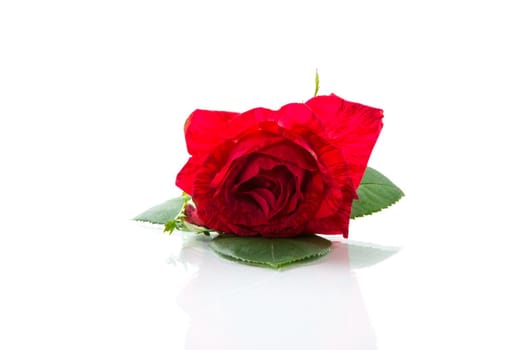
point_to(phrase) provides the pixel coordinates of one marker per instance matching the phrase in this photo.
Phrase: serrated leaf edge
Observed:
(380, 209)
(272, 265)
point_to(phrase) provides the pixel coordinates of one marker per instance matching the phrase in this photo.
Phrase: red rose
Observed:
(279, 173)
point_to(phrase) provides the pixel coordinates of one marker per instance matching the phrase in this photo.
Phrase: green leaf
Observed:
(171, 214)
(270, 252)
(375, 192)
(316, 83)
(163, 213)
(180, 224)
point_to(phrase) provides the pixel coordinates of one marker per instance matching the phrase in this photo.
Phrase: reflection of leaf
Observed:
(270, 252)
(368, 254)
(164, 212)
(376, 192)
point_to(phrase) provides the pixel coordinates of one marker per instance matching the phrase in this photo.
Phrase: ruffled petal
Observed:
(338, 221)
(279, 173)
(352, 127)
(186, 177)
(205, 130)
(297, 114)
(287, 152)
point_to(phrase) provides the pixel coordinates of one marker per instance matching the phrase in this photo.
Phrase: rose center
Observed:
(271, 188)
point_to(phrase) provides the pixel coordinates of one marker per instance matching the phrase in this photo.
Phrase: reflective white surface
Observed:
(93, 97)
(317, 305)
(128, 285)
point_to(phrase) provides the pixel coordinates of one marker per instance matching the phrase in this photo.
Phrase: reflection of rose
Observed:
(279, 173)
(307, 307)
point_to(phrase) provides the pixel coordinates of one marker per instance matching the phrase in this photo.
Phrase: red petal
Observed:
(204, 130)
(297, 114)
(352, 127)
(192, 216)
(186, 177)
(288, 152)
(338, 222)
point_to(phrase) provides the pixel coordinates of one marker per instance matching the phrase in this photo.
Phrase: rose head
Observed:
(278, 173)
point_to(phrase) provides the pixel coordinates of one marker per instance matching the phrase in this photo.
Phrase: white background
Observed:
(93, 96)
